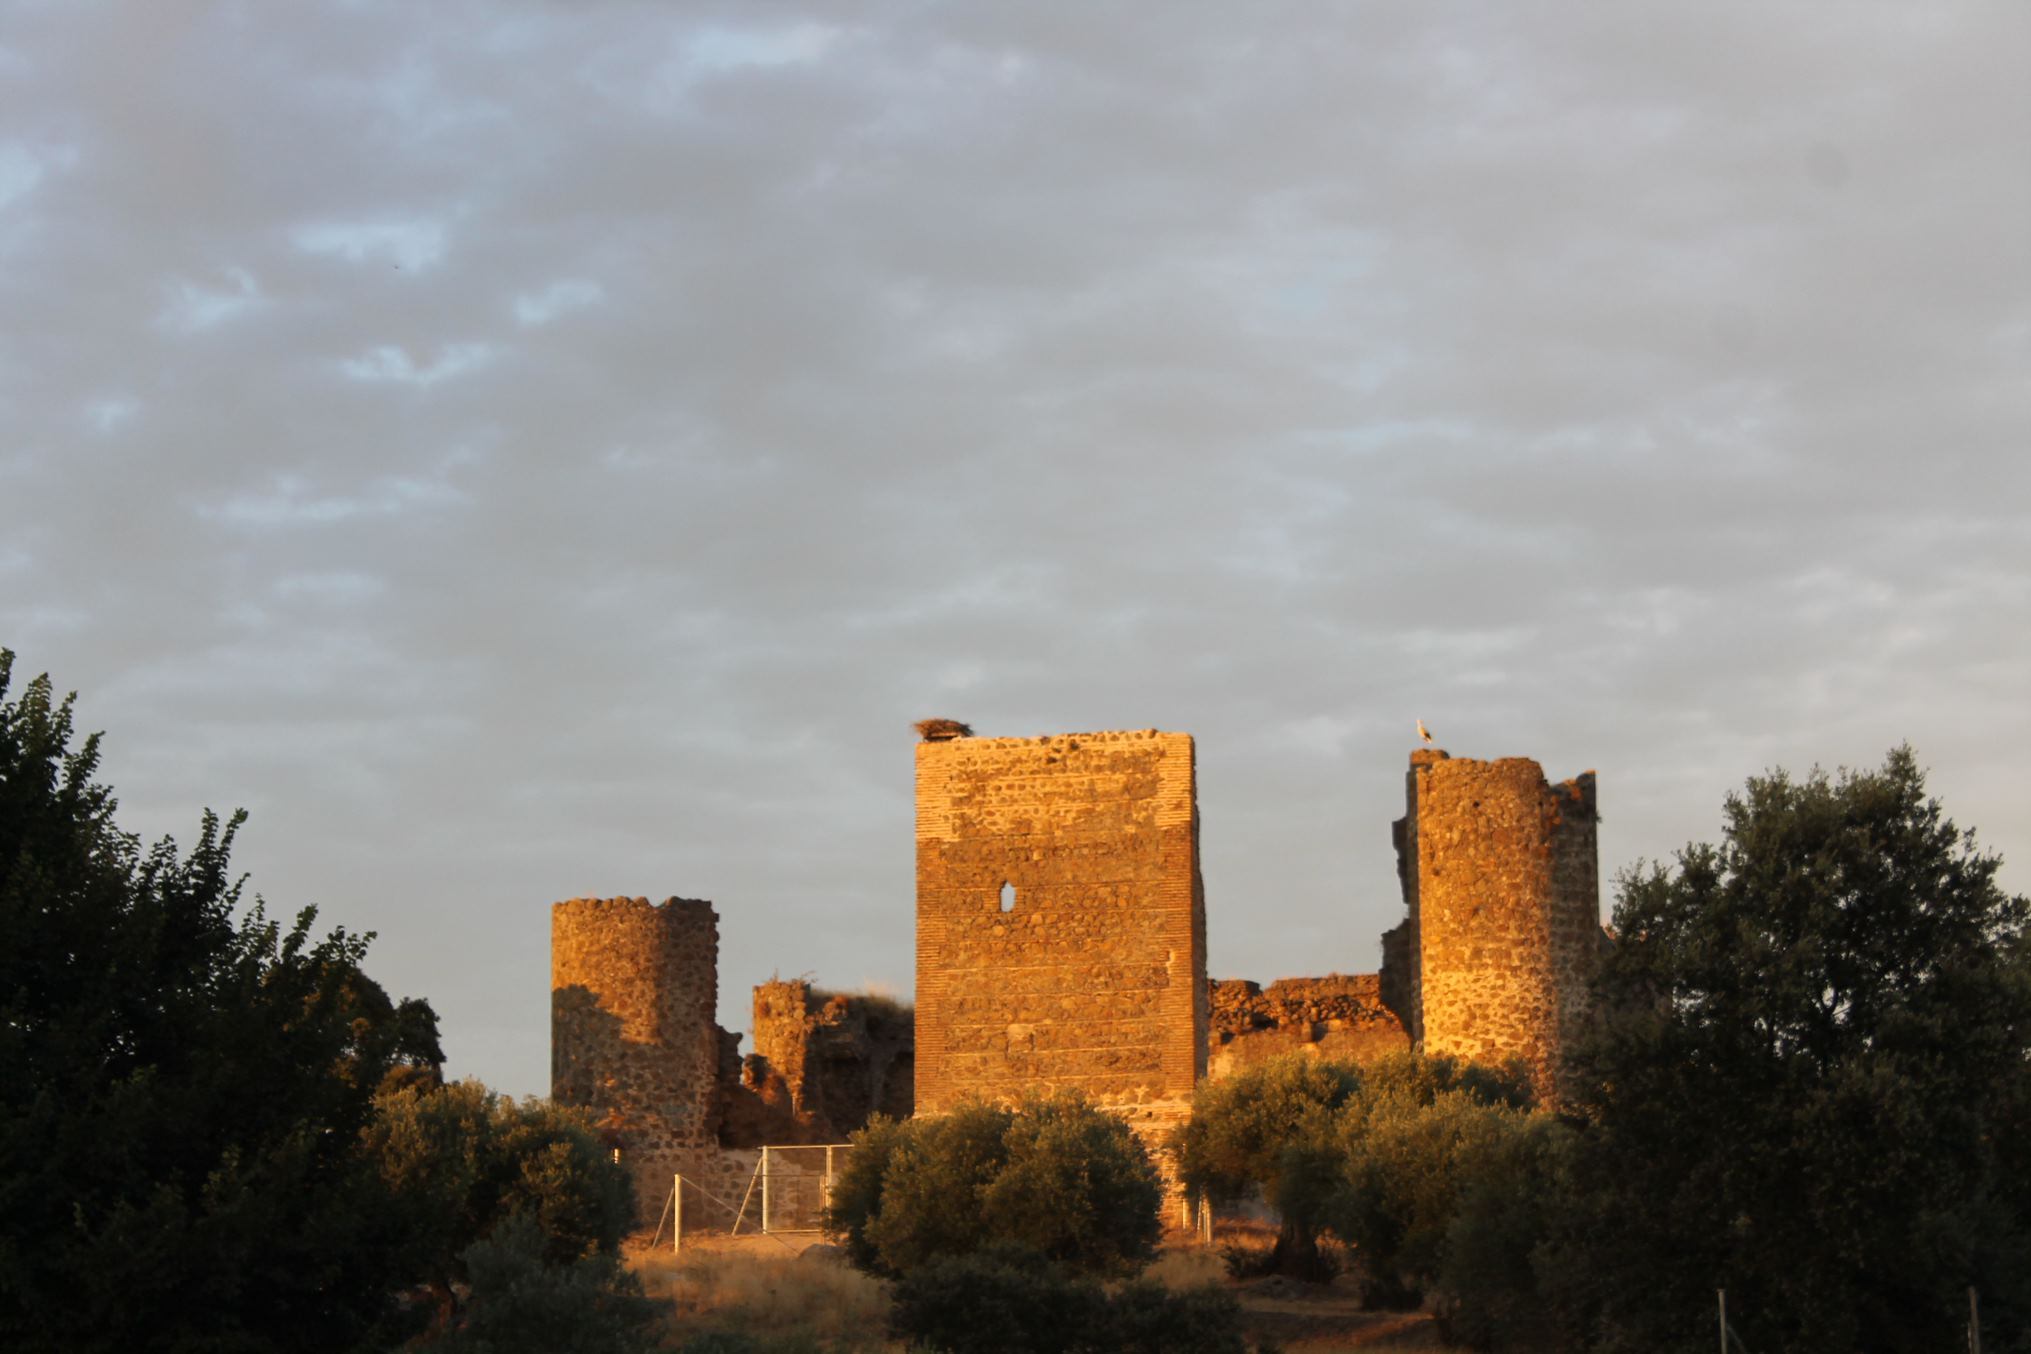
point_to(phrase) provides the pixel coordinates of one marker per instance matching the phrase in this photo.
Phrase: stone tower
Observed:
(633, 986)
(1500, 873)
(1061, 923)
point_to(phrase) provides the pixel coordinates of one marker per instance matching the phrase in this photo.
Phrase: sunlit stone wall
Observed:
(1061, 924)
(1500, 872)
(633, 986)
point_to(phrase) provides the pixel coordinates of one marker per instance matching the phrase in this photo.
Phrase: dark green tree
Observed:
(930, 1199)
(1420, 1133)
(1810, 1085)
(1008, 1299)
(1057, 1175)
(857, 1190)
(524, 1301)
(1370, 1151)
(1268, 1132)
(1078, 1186)
(182, 1081)
(457, 1163)
(1505, 1282)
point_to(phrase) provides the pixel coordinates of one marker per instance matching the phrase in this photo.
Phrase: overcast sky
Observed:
(521, 451)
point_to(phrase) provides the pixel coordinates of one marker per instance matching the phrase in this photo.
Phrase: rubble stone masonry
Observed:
(1500, 873)
(841, 1058)
(1341, 1017)
(632, 992)
(1061, 925)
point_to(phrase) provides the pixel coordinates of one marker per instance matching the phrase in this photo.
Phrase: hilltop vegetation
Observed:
(217, 1132)
(1808, 1082)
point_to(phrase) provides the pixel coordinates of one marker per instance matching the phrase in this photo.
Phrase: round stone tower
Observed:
(1500, 872)
(633, 987)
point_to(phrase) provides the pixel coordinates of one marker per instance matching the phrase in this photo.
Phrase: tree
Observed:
(1269, 1131)
(1007, 1299)
(857, 1191)
(1810, 1081)
(1420, 1134)
(524, 1301)
(458, 1163)
(1057, 1175)
(1503, 1280)
(1078, 1186)
(1368, 1150)
(182, 1081)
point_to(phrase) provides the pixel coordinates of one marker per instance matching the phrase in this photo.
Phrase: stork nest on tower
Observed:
(941, 730)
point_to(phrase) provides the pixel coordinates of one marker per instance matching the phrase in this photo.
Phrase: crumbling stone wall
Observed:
(1500, 873)
(632, 1036)
(1341, 1016)
(1399, 972)
(1061, 927)
(831, 1060)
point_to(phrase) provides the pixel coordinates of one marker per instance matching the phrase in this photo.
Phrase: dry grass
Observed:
(789, 1304)
(1187, 1267)
(794, 1301)
(1299, 1318)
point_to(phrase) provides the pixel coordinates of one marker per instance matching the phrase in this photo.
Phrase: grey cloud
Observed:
(542, 450)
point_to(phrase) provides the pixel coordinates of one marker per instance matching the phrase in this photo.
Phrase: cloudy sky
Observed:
(520, 451)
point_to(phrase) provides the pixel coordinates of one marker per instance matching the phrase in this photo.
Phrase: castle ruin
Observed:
(1061, 944)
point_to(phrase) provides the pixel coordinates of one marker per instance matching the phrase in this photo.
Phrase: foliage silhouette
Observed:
(1008, 1299)
(1309, 1135)
(182, 1080)
(1056, 1174)
(1811, 1082)
(525, 1302)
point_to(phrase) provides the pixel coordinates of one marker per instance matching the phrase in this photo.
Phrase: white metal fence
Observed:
(795, 1184)
(787, 1194)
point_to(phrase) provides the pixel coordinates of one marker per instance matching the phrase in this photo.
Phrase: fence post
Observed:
(828, 1175)
(1722, 1294)
(765, 1189)
(1974, 1323)
(677, 1232)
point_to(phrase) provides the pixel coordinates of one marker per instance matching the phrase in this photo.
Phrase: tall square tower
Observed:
(1061, 922)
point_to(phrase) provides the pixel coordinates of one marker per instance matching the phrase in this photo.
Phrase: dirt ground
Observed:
(1306, 1318)
(758, 1282)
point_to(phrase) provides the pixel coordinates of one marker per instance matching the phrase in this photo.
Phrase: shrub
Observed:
(522, 1304)
(1296, 1131)
(457, 1161)
(1008, 1299)
(1265, 1131)
(1143, 1318)
(1403, 1165)
(1003, 1299)
(930, 1200)
(1067, 1180)
(857, 1190)
(1078, 1188)
(1504, 1278)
